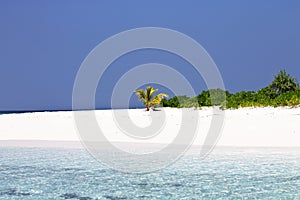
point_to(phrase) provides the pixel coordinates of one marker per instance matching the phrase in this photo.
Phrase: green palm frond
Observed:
(140, 93)
(161, 95)
(149, 93)
(284, 82)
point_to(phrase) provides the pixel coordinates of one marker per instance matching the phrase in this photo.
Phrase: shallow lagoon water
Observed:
(227, 173)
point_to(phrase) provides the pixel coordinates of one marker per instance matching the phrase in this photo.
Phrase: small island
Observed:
(268, 117)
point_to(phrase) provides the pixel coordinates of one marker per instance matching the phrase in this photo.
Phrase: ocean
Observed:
(227, 173)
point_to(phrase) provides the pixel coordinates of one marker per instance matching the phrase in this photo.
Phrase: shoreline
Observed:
(9, 112)
(243, 127)
(78, 145)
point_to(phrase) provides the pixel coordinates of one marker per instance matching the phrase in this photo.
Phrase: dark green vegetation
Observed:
(283, 91)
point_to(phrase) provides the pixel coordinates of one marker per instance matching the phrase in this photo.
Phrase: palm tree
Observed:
(284, 82)
(148, 97)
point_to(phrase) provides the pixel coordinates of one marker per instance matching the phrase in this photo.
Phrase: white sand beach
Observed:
(245, 127)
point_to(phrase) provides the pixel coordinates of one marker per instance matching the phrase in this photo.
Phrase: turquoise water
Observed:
(48, 173)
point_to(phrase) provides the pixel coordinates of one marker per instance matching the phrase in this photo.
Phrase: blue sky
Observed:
(43, 43)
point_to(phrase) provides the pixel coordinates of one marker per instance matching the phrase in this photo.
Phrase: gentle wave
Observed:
(54, 173)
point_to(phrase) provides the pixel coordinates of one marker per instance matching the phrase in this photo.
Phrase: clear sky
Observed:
(43, 43)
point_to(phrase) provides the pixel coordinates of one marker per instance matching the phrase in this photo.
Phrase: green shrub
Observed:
(283, 91)
(290, 98)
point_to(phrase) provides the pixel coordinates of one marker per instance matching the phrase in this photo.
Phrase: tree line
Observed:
(282, 91)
